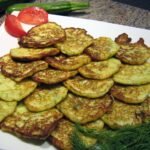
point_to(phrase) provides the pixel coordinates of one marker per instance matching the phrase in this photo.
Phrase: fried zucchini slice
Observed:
(100, 70)
(43, 35)
(133, 75)
(45, 98)
(5, 59)
(83, 110)
(123, 39)
(6, 109)
(87, 87)
(102, 49)
(61, 136)
(19, 71)
(146, 110)
(134, 53)
(122, 114)
(51, 76)
(31, 125)
(96, 125)
(68, 63)
(131, 94)
(29, 54)
(76, 41)
(12, 91)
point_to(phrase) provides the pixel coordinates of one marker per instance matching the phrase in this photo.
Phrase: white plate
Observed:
(96, 29)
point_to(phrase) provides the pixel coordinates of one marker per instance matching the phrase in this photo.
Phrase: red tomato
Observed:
(13, 26)
(33, 16)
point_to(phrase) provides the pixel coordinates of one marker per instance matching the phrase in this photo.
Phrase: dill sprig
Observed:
(126, 138)
(77, 143)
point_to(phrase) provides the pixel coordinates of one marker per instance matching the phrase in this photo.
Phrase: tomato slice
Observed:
(33, 15)
(13, 26)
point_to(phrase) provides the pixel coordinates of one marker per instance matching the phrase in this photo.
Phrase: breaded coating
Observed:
(12, 91)
(122, 114)
(123, 39)
(5, 59)
(51, 76)
(68, 63)
(61, 136)
(44, 98)
(146, 110)
(100, 70)
(30, 54)
(133, 75)
(102, 49)
(76, 41)
(19, 71)
(83, 110)
(134, 53)
(43, 35)
(6, 109)
(88, 87)
(131, 94)
(31, 125)
(95, 125)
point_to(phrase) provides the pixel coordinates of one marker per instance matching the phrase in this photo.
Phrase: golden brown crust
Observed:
(133, 74)
(96, 125)
(19, 71)
(146, 110)
(51, 76)
(61, 136)
(133, 57)
(12, 91)
(31, 125)
(102, 63)
(30, 54)
(43, 35)
(89, 88)
(122, 114)
(123, 39)
(6, 109)
(44, 98)
(76, 41)
(68, 63)
(5, 59)
(131, 94)
(100, 70)
(83, 110)
(132, 53)
(102, 48)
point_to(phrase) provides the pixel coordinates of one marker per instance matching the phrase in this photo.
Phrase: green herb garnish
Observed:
(77, 142)
(126, 138)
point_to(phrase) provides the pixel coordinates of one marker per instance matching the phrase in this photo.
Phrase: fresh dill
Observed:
(77, 142)
(126, 138)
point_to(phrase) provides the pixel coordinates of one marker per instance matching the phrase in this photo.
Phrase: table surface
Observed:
(111, 11)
